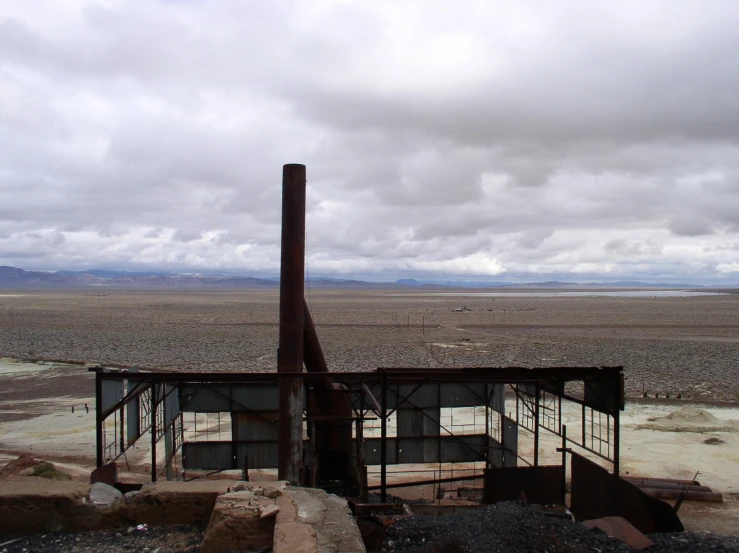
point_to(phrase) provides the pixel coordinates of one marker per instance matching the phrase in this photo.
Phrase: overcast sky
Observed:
(501, 140)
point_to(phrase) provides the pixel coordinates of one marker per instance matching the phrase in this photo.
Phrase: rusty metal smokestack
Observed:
(290, 353)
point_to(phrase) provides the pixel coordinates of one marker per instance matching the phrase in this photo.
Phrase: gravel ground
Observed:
(156, 539)
(510, 527)
(676, 345)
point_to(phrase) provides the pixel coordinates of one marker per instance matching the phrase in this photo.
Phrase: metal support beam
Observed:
(564, 464)
(290, 352)
(383, 440)
(154, 394)
(537, 412)
(616, 444)
(99, 420)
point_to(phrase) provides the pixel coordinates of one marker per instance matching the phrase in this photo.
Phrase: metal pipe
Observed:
(648, 479)
(428, 482)
(710, 497)
(669, 486)
(290, 352)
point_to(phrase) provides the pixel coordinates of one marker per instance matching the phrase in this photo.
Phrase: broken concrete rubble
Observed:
(327, 514)
(245, 516)
(237, 525)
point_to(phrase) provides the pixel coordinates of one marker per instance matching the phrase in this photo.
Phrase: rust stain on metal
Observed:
(290, 352)
(621, 529)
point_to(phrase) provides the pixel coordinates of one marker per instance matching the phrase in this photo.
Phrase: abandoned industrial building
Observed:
(348, 432)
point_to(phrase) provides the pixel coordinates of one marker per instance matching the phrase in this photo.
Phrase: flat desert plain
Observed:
(675, 345)
(685, 345)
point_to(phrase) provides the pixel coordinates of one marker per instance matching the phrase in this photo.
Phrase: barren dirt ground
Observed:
(687, 345)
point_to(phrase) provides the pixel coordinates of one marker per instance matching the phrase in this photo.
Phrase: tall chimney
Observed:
(290, 353)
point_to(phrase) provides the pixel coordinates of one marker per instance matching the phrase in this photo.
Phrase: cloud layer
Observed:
(484, 139)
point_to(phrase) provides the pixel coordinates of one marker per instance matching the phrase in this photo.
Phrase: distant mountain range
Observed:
(12, 277)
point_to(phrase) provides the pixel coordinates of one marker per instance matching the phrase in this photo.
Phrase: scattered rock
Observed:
(269, 511)
(510, 526)
(714, 441)
(103, 495)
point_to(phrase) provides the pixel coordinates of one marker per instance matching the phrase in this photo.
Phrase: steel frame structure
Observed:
(131, 403)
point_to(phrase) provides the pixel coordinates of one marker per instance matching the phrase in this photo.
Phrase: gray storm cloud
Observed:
(489, 139)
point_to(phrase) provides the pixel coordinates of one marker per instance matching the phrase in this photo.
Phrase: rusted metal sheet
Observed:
(621, 529)
(496, 393)
(133, 415)
(255, 398)
(205, 399)
(171, 403)
(290, 445)
(668, 486)
(315, 361)
(261, 455)
(463, 449)
(440, 510)
(644, 480)
(220, 399)
(596, 493)
(411, 450)
(207, 456)
(463, 394)
(254, 426)
(542, 484)
(292, 269)
(418, 422)
(690, 495)
(510, 442)
(528, 388)
(373, 451)
(605, 393)
(290, 352)
(412, 396)
(444, 449)
(112, 393)
(495, 455)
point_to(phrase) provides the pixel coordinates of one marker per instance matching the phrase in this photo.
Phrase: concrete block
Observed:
(295, 537)
(236, 523)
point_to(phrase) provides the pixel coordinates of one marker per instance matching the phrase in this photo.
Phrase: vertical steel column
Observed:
(154, 394)
(564, 464)
(123, 418)
(290, 352)
(487, 426)
(383, 440)
(616, 444)
(98, 417)
(537, 391)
